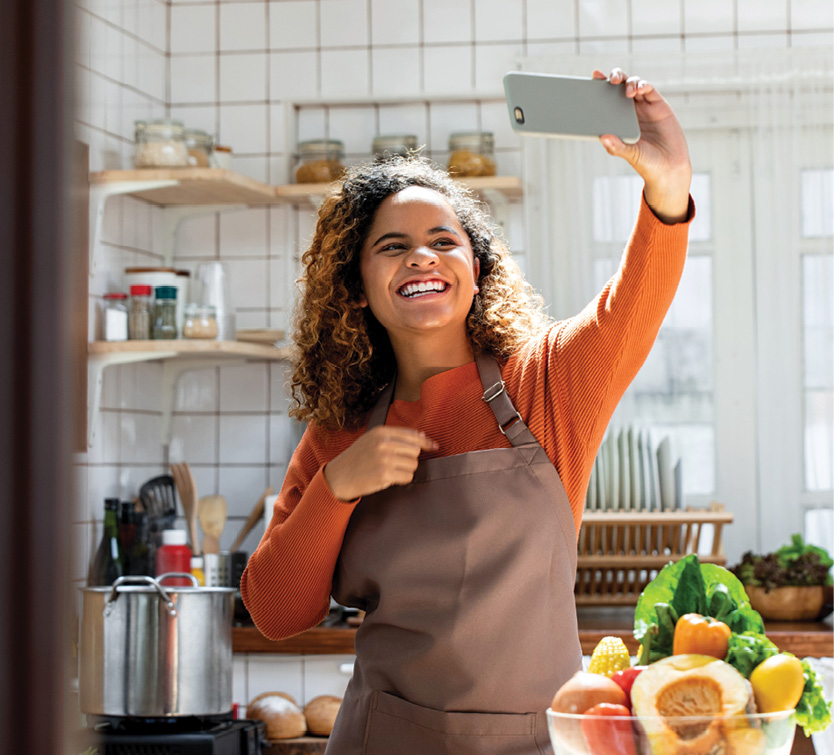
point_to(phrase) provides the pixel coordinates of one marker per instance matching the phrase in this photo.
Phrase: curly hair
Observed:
(342, 355)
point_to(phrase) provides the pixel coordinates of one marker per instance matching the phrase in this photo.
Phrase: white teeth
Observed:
(412, 290)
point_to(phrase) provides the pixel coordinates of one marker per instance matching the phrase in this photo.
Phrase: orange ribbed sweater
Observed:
(565, 384)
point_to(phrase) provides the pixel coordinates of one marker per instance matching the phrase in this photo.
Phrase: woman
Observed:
(452, 430)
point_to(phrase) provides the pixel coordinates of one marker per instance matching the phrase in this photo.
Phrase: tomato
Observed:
(584, 690)
(625, 679)
(607, 730)
(701, 635)
(777, 683)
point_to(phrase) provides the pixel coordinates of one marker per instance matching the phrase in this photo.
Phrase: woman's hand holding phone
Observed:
(660, 156)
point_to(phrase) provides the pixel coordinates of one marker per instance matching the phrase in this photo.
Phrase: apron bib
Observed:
(466, 576)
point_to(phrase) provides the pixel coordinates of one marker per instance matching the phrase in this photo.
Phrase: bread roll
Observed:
(280, 713)
(321, 713)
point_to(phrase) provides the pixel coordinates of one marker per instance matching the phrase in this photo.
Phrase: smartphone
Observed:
(570, 107)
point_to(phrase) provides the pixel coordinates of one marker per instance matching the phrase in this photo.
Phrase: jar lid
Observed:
(166, 292)
(474, 140)
(115, 295)
(184, 273)
(196, 562)
(200, 310)
(198, 136)
(173, 537)
(164, 126)
(140, 290)
(222, 148)
(317, 146)
(395, 144)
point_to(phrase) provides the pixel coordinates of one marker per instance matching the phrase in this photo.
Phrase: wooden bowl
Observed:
(787, 603)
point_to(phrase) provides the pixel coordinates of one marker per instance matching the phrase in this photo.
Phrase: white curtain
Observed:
(741, 378)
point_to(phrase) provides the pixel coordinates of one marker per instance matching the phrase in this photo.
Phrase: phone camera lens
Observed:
(518, 113)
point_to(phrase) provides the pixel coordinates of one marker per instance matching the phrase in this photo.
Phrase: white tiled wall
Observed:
(230, 67)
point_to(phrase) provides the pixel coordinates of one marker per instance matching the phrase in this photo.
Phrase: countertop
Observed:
(802, 638)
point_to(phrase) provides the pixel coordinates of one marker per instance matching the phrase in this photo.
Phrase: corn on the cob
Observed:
(609, 656)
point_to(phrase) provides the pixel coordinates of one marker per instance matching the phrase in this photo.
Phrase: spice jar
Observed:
(472, 154)
(320, 161)
(221, 157)
(160, 144)
(115, 317)
(139, 317)
(199, 145)
(387, 145)
(200, 321)
(165, 313)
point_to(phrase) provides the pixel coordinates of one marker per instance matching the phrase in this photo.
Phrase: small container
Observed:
(199, 145)
(140, 315)
(387, 145)
(200, 321)
(197, 570)
(115, 317)
(320, 161)
(221, 157)
(472, 154)
(183, 284)
(174, 556)
(165, 313)
(160, 144)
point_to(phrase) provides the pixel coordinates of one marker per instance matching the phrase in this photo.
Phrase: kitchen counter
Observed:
(802, 638)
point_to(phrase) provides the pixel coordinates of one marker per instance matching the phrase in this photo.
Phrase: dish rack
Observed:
(620, 552)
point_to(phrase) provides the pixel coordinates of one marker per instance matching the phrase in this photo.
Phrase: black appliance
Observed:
(186, 735)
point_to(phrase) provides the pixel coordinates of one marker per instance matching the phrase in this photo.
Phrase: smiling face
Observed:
(419, 274)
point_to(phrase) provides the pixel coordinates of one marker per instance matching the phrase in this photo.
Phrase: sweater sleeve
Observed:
(568, 383)
(286, 584)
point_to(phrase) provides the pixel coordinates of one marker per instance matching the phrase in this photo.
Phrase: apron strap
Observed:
(508, 418)
(380, 409)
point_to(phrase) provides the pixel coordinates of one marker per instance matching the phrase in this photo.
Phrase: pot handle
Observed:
(140, 580)
(185, 574)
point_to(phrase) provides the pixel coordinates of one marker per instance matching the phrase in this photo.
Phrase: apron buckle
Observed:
(494, 391)
(512, 422)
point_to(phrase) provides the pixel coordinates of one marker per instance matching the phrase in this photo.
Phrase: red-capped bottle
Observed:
(174, 556)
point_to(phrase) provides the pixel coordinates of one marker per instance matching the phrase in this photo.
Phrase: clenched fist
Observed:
(382, 457)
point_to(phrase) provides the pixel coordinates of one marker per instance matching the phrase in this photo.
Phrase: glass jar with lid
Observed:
(388, 145)
(115, 317)
(320, 161)
(472, 154)
(200, 146)
(160, 144)
(200, 321)
(165, 313)
(139, 318)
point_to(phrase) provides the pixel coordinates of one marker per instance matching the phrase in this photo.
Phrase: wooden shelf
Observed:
(185, 348)
(194, 187)
(802, 638)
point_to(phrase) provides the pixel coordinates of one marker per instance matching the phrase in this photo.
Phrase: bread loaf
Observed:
(280, 713)
(321, 713)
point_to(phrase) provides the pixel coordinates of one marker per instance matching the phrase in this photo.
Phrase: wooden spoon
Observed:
(212, 515)
(188, 496)
(254, 517)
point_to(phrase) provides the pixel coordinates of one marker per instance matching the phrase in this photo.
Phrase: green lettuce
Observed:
(688, 586)
(813, 711)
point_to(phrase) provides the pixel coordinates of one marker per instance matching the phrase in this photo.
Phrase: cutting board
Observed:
(300, 746)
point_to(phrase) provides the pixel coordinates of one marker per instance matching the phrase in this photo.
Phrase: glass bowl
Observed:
(754, 734)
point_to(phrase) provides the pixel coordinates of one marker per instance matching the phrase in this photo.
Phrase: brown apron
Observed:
(466, 576)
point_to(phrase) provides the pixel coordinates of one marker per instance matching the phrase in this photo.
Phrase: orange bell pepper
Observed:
(702, 635)
(607, 730)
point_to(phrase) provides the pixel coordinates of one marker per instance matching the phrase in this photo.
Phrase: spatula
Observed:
(188, 496)
(159, 502)
(254, 517)
(211, 512)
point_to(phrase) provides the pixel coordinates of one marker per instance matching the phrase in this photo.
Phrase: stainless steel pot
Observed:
(149, 650)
